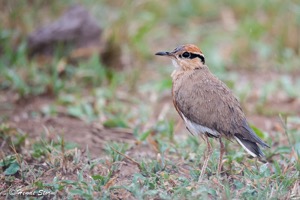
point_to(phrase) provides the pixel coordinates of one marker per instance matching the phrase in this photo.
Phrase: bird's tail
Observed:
(251, 147)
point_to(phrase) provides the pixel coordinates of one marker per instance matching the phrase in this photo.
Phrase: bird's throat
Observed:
(176, 65)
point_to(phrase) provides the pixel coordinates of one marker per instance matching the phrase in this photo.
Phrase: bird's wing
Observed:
(209, 103)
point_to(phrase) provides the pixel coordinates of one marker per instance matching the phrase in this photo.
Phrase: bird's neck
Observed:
(177, 73)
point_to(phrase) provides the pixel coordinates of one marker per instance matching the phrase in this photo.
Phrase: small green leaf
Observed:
(282, 150)
(258, 132)
(39, 184)
(75, 111)
(212, 192)
(98, 177)
(76, 191)
(144, 135)
(12, 169)
(111, 123)
(238, 184)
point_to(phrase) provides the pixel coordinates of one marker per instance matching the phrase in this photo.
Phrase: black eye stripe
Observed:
(192, 56)
(201, 58)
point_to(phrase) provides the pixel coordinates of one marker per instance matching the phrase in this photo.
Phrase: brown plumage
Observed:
(207, 105)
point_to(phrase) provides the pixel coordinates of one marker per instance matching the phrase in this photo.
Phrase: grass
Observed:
(250, 46)
(172, 174)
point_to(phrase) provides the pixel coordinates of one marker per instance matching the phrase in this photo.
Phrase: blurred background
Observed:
(94, 60)
(86, 71)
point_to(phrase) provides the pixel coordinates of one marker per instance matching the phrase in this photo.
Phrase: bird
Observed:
(207, 106)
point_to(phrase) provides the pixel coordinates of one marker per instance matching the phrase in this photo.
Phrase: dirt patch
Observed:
(21, 115)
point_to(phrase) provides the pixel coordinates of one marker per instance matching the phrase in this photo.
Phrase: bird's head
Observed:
(185, 57)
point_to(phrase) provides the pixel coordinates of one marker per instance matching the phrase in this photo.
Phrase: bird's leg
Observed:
(207, 156)
(222, 150)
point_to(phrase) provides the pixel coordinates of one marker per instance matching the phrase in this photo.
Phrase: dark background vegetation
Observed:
(103, 124)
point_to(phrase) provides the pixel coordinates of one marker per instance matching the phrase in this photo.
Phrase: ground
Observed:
(83, 129)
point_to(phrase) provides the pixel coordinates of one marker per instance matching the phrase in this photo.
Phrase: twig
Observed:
(133, 161)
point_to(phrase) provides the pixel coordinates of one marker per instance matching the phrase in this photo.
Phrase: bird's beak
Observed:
(164, 53)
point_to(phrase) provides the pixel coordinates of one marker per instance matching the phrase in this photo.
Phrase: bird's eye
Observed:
(186, 54)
